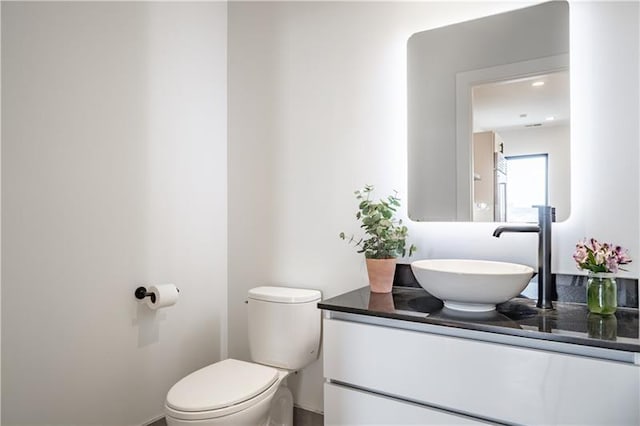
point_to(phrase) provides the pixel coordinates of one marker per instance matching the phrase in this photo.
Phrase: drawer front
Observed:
(487, 380)
(346, 406)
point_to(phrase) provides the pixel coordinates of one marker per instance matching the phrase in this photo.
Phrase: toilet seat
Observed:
(221, 389)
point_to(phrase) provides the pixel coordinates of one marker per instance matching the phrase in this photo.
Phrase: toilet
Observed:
(284, 336)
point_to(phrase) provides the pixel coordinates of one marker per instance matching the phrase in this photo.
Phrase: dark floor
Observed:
(306, 418)
(159, 422)
(300, 418)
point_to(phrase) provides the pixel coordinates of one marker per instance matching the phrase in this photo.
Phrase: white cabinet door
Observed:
(347, 406)
(487, 380)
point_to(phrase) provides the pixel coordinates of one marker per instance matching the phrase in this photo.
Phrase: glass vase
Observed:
(602, 293)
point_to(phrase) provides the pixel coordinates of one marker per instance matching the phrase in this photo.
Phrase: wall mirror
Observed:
(489, 117)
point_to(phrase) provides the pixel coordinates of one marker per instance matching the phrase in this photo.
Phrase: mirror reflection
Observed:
(521, 147)
(488, 117)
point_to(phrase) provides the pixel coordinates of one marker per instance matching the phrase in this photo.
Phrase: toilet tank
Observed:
(284, 326)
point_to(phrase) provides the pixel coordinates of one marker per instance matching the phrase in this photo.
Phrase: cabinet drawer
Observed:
(487, 380)
(346, 406)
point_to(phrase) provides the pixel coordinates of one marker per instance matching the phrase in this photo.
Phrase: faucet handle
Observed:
(544, 210)
(546, 214)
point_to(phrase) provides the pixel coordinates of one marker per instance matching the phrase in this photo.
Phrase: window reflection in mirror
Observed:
(521, 147)
(528, 177)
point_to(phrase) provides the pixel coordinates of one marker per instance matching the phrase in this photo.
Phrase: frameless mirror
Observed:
(489, 119)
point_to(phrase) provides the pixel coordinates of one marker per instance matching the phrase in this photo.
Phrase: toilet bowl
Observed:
(284, 336)
(229, 392)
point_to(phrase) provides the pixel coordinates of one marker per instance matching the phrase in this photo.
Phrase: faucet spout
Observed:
(516, 228)
(546, 285)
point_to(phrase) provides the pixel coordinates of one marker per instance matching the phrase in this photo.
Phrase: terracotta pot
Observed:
(381, 273)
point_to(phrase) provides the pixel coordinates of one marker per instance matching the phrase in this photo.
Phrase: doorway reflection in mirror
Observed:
(521, 147)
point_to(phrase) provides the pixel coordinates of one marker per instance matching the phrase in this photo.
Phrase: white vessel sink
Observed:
(471, 285)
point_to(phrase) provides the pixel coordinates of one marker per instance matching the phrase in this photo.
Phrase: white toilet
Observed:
(284, 336)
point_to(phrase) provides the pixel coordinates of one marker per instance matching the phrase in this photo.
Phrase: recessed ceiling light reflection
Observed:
(537, 83)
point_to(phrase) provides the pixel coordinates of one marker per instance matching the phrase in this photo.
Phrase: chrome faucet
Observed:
(546, 287)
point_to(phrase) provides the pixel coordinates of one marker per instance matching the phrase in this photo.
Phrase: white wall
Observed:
(555, 141)
(317, 108)
(605, 135)
(113, 176)
(0, 214)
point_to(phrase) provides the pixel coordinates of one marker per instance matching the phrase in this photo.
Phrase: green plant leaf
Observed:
(384, 236)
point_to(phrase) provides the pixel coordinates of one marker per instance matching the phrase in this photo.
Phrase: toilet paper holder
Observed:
(141, 293)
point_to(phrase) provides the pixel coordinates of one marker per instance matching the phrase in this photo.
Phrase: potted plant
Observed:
(384, 240)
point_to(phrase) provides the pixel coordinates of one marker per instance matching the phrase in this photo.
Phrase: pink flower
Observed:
(580, 254)
(612, 264)
(600, 257)
(622, 255)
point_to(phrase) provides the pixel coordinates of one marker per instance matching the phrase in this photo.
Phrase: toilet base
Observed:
(281, 413)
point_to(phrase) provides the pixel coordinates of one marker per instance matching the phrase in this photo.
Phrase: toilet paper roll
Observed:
(165, 295)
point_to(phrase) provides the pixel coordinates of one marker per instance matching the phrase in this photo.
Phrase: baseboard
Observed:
(312, 410)
(156, 421)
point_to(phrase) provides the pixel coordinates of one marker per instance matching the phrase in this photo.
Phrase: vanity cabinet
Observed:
(355, 407)
(381, 373)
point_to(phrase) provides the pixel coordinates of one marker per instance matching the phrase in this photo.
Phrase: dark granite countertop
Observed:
(568, 323)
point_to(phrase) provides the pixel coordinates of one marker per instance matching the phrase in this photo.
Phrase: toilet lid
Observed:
(220, 385)
(284, 294)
